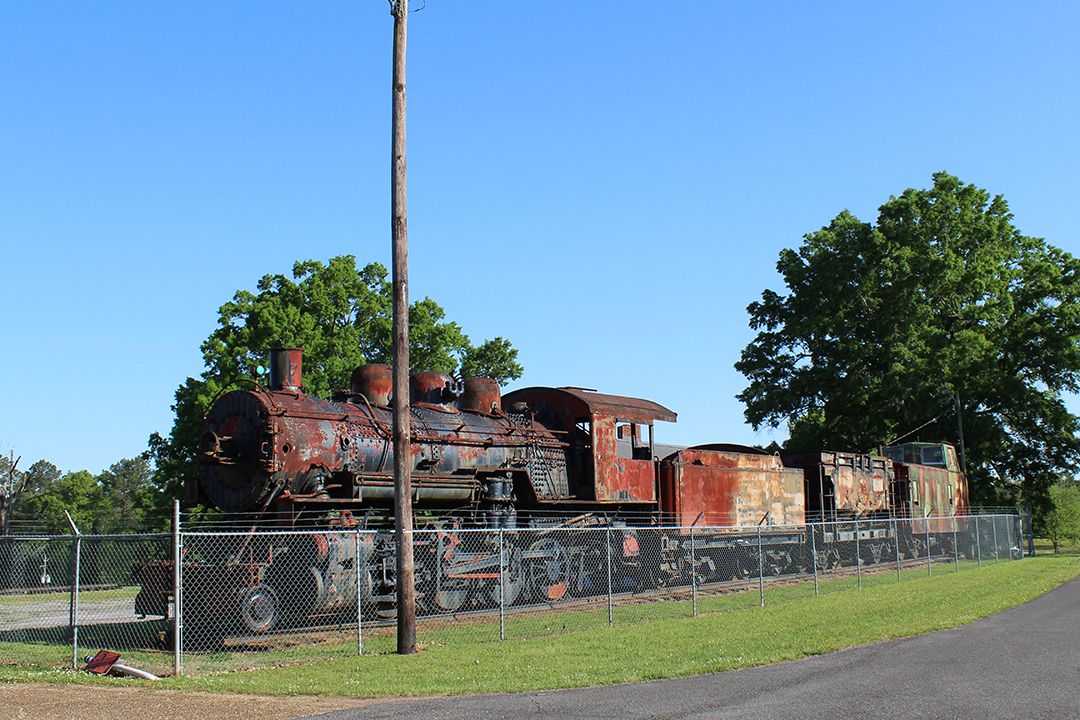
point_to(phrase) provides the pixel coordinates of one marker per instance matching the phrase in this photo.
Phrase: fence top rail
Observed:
(712, 527)
(86, 536)
(732, 529)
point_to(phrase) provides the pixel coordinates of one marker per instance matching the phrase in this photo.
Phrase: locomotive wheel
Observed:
(513, 579)
(259, 609)
(451, 595)
(550, 575)
(385, 610)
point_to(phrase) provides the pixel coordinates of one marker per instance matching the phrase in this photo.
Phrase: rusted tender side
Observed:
(729, 485)
(841, 485)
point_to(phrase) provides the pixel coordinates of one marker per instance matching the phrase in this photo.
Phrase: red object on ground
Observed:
(102, 663)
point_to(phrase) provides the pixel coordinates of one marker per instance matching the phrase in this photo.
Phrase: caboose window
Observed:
(933, 456)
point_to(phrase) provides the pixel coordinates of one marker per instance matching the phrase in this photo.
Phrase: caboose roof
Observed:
(598, 404)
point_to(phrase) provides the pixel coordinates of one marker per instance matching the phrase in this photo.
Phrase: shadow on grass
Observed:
(140, 635)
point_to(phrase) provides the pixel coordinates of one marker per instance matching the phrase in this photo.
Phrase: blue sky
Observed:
(607, 184)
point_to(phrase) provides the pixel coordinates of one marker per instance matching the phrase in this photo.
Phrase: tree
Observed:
(130, 497)
(341, 316)
(1062, 520)
(77, 493)
(882, 326)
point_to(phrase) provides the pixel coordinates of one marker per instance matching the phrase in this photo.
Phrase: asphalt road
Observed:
(1022, 663)
(55, 613)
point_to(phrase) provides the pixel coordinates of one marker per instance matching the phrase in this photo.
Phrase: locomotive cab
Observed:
(610, 442)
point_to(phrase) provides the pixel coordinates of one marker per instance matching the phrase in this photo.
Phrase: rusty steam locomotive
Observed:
(529, 462)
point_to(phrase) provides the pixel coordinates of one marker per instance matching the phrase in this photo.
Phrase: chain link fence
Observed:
(62, 595)
(246, 599)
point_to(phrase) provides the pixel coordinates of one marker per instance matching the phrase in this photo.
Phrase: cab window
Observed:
(933, 456)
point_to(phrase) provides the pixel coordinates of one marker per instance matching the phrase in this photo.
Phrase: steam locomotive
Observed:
(531, 462)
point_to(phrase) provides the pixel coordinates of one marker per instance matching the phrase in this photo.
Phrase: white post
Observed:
(926, 534)
(813, 555)
(760, 569)
(610, 612)
(978, 541)
(73, 616)
(693, 575)
(955, 547)
(896, 545)
(502, 588)
(858, 557)
(359, 597)
(993, 527)
(178, 623)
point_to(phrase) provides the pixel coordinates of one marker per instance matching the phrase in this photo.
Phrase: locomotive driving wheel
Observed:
(550, 571)
(259, 609)
(513, 578)
(440, 592)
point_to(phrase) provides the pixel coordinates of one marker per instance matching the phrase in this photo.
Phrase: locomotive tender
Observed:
(531, 461)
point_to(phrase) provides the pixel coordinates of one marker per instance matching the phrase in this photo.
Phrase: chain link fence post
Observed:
(760, 569)
(978, 541)
(693, 575)
(178, 584)
(813, 557)
(896, 546)
(610, 609)
(955, 547)
(1007, 519)
(1020, 533)
(359, 596)
(502, 589)
(993, 528)
(858, 558)
(76, 570)
(926, 537)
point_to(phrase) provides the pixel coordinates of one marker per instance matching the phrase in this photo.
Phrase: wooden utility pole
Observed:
(403, 520)
(960, 431)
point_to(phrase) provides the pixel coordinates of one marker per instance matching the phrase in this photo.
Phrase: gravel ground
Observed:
(66, 702)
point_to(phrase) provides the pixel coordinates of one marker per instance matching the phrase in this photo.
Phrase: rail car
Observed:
(532, 464)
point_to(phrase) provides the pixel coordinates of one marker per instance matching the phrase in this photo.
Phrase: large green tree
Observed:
(882, 326)
(341, 316)
(1062, 518)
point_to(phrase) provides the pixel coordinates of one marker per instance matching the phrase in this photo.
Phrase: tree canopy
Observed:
(116, 500)
(882, 326)
(341, 316)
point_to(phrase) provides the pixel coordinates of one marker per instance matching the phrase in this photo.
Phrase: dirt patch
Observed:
(68, 702)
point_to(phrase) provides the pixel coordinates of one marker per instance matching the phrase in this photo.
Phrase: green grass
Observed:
(650, 640)
(86, 596)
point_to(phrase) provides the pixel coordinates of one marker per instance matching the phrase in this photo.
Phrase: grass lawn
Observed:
(86, 596)
(650, 640)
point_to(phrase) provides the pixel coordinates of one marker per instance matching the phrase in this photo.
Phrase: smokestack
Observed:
(285, 367)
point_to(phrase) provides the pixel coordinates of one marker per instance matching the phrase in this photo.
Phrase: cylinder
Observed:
(374, 381)
(285, 369)
(481, 395)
